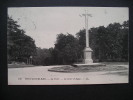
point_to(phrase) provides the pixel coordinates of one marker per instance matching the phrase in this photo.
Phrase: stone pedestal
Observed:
(88, 55)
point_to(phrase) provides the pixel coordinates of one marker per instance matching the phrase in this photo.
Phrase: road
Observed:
(40, 75)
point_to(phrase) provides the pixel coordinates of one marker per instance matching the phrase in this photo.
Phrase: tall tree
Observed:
(67, 48)
(125, 40)
(108, 43)
(19, 45)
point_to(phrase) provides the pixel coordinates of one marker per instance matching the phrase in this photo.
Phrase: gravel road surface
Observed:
(40, 75)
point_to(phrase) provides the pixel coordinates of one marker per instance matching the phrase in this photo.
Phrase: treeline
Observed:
(20, 47)
(108, 44)
(64, 52)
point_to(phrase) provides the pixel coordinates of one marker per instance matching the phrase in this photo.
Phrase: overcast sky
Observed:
(44, 23)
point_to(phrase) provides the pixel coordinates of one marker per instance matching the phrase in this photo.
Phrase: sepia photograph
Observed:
(67, 45)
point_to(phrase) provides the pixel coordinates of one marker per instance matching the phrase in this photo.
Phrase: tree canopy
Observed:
(108, 44)
(19, 45)
(67, 48)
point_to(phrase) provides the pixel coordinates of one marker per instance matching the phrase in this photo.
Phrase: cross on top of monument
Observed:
(87, 50)
(86, 14)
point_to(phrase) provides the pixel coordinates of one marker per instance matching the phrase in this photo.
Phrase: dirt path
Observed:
(41, 76)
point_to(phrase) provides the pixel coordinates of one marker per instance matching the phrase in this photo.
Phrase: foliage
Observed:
(108, 43)
(19, 45)
(67, 48)
(42, 57)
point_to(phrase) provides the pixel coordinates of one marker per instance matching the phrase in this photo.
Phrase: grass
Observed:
(111, 66)
(116, 63)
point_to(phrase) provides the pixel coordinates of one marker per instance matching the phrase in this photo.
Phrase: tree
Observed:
(43, 57)
(19, 46)
(125, 40)
(108, 43)
(67, 48)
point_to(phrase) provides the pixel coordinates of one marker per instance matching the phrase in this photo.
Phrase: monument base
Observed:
(88, 61)
(88, 55)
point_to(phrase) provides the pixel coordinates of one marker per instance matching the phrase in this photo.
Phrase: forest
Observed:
(108, 43)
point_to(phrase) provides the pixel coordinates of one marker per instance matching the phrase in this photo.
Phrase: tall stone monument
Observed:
(88, 62)
(87, 50)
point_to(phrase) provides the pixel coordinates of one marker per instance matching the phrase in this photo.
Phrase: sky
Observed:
(44, 23)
